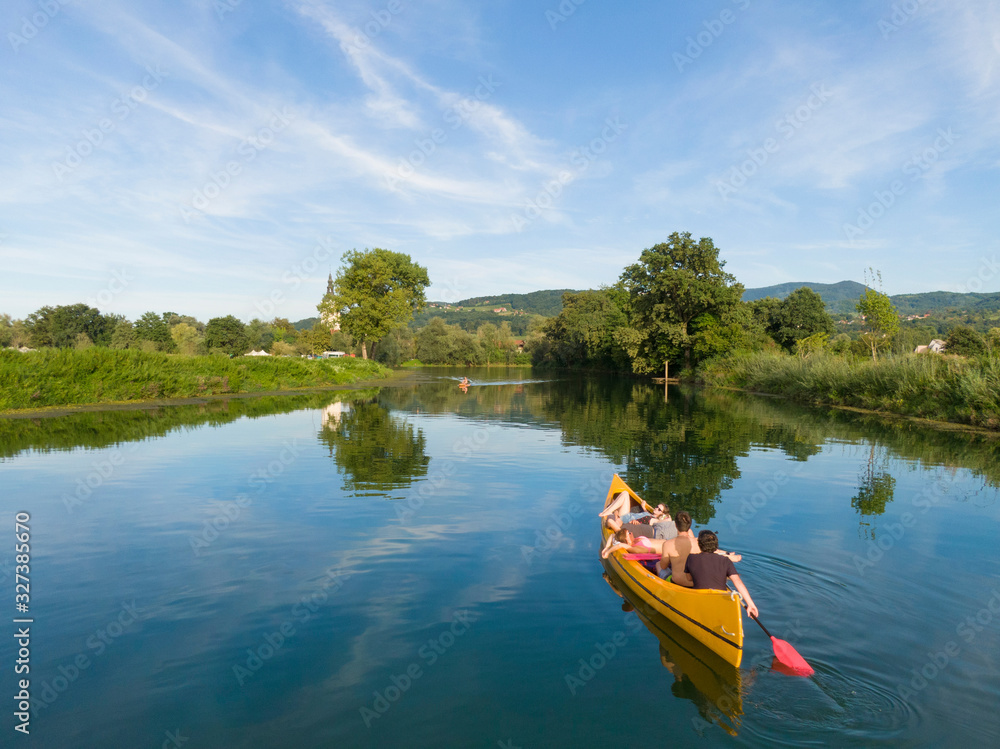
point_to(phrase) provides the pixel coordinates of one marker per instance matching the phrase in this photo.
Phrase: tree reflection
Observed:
(875, 490)
(375, 452)
(683, 450)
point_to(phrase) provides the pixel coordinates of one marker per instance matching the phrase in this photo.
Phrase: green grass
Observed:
(943, 388)
(62, 377)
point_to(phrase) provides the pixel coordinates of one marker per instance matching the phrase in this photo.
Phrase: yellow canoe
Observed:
(712, 617)
(700, 675)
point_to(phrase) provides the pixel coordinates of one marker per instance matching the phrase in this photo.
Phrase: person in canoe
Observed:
(464, 383)
(625, 539)
(710, 571)
(674, 552)
(620, 514)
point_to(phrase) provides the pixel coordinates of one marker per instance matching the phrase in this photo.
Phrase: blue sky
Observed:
(215, 158)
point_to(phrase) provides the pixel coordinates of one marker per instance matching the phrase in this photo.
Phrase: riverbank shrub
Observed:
(61, 377)
(944, 388)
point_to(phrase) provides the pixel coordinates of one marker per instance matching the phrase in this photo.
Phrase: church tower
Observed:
(331, 321)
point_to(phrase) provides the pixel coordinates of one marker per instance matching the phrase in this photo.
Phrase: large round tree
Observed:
(673, 283)
(374, 292)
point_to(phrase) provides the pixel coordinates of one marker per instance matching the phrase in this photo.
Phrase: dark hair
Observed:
(682, 521)
(708, 542)
(620, 535)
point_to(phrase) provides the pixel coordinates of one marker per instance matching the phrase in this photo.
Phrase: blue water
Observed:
(418, 567)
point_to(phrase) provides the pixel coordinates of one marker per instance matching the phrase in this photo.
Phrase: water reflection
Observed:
(715, 687)
(876, 488)
(375, 451)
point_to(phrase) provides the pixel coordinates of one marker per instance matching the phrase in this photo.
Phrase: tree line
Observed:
(675, 304)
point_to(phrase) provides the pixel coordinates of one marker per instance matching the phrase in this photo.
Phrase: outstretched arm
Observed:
(730, 555)
(745, 594)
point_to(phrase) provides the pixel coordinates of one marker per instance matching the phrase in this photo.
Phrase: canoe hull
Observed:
(712, 617)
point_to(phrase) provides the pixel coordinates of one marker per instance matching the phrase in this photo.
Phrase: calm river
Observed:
(418, 566)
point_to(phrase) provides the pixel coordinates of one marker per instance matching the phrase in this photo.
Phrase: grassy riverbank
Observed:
(63, 377)
(942, 388)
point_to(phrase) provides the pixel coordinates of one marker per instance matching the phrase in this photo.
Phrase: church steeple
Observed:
(329, 284)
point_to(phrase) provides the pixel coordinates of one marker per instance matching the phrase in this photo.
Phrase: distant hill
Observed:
(830, 292)
(547, 303)
(841, 297)
(306, 324)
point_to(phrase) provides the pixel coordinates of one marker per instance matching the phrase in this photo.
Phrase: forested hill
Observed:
(841, 298)
(830, 292)
(547, 303)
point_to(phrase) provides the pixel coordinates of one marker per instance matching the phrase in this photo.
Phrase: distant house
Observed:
(500, 309)
(520, 346)
(936, 346)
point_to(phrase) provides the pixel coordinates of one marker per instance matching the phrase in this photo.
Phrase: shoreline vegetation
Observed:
(60, 378)
(942, 389)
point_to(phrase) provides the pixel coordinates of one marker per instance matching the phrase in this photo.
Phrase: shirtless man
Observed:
(675, 551)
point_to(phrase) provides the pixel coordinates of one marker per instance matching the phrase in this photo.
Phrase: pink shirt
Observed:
(644, 542)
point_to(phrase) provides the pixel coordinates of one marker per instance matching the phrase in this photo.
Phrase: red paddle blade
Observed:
(791, 662)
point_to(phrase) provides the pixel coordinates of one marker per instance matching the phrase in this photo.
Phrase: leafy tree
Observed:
(433, 345)
(60, 326)
(374, 292)
(124, 336)
(154, 328)
(881, 319)
(82, 341)
(582, 334)
(799, 315)
(396, 347)
(806, 347)
(6, 330)
(672, 284)
(260, 335)
(188, 340)
(440, 343)
(172, 318)
(733, 329)
(965, 341)
(226, 334)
